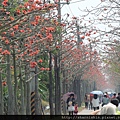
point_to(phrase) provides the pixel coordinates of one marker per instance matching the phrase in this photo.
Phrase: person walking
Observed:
(107, 95)
(114, 96)
(90, 97)
(70, 104)
(105, 100)
(76, 109)
(90, 105)
(86, 100)
(95, 102)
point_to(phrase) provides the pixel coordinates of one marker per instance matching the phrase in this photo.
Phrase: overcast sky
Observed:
(73, 7)
(73, 10)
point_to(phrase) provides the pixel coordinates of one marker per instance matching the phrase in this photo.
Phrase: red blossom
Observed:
(7, 41)
(42, 68)
(57, 46)
(3, 33)
(26, 45)
(82, 37)
(24, 11)
(22, 31)
(81, 43)
(47, 69)
(33, 64)
(6, 52)
(86, 53)
(11, 67)
(4, 3)
(4, 83)
(36, 52)
(18, 11)
(11, 18)
(49, 36)
(74, 17)
(12, 34)
(15, 27)
(40, 61)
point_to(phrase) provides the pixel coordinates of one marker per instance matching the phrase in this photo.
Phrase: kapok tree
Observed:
(105, 26)
(22, 42)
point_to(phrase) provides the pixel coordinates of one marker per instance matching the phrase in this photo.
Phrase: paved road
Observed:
(85, 112)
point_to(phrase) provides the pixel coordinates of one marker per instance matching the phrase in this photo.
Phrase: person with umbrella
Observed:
(70, 104)
(95, 102)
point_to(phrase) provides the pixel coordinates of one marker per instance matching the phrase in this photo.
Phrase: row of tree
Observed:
(42, 54)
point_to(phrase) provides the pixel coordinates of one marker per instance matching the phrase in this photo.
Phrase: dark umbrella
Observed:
(65, 96)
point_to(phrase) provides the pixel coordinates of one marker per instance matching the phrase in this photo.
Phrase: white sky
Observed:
(73, 8)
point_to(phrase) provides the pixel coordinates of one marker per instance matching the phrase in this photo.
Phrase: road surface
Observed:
(85, 112)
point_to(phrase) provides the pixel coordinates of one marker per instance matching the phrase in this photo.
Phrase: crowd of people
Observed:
(100, 104)
(110, 104)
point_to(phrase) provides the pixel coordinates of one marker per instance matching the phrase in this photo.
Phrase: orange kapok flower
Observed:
(33, 64)
(40, 61)
(4, 83)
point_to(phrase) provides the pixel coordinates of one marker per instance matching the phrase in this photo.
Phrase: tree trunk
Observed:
(67, 88)
(57, 88)
(27, 91)
(50, 85)
(16, 83)
(37, 101)
(59, 91)
(25, 96)
(64, 91)
(1, 96)
(10, 87)
(83, 86)
(78, 92)
(22, 110)
(75, 86)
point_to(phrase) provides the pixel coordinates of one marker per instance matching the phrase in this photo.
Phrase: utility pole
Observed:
(78, 78)
(57, 59)
(57, 69)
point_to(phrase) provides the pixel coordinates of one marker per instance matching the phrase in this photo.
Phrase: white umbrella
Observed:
(97, 92)
(109, 92)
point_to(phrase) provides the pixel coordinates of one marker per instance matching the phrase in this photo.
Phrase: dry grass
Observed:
(44, 103)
